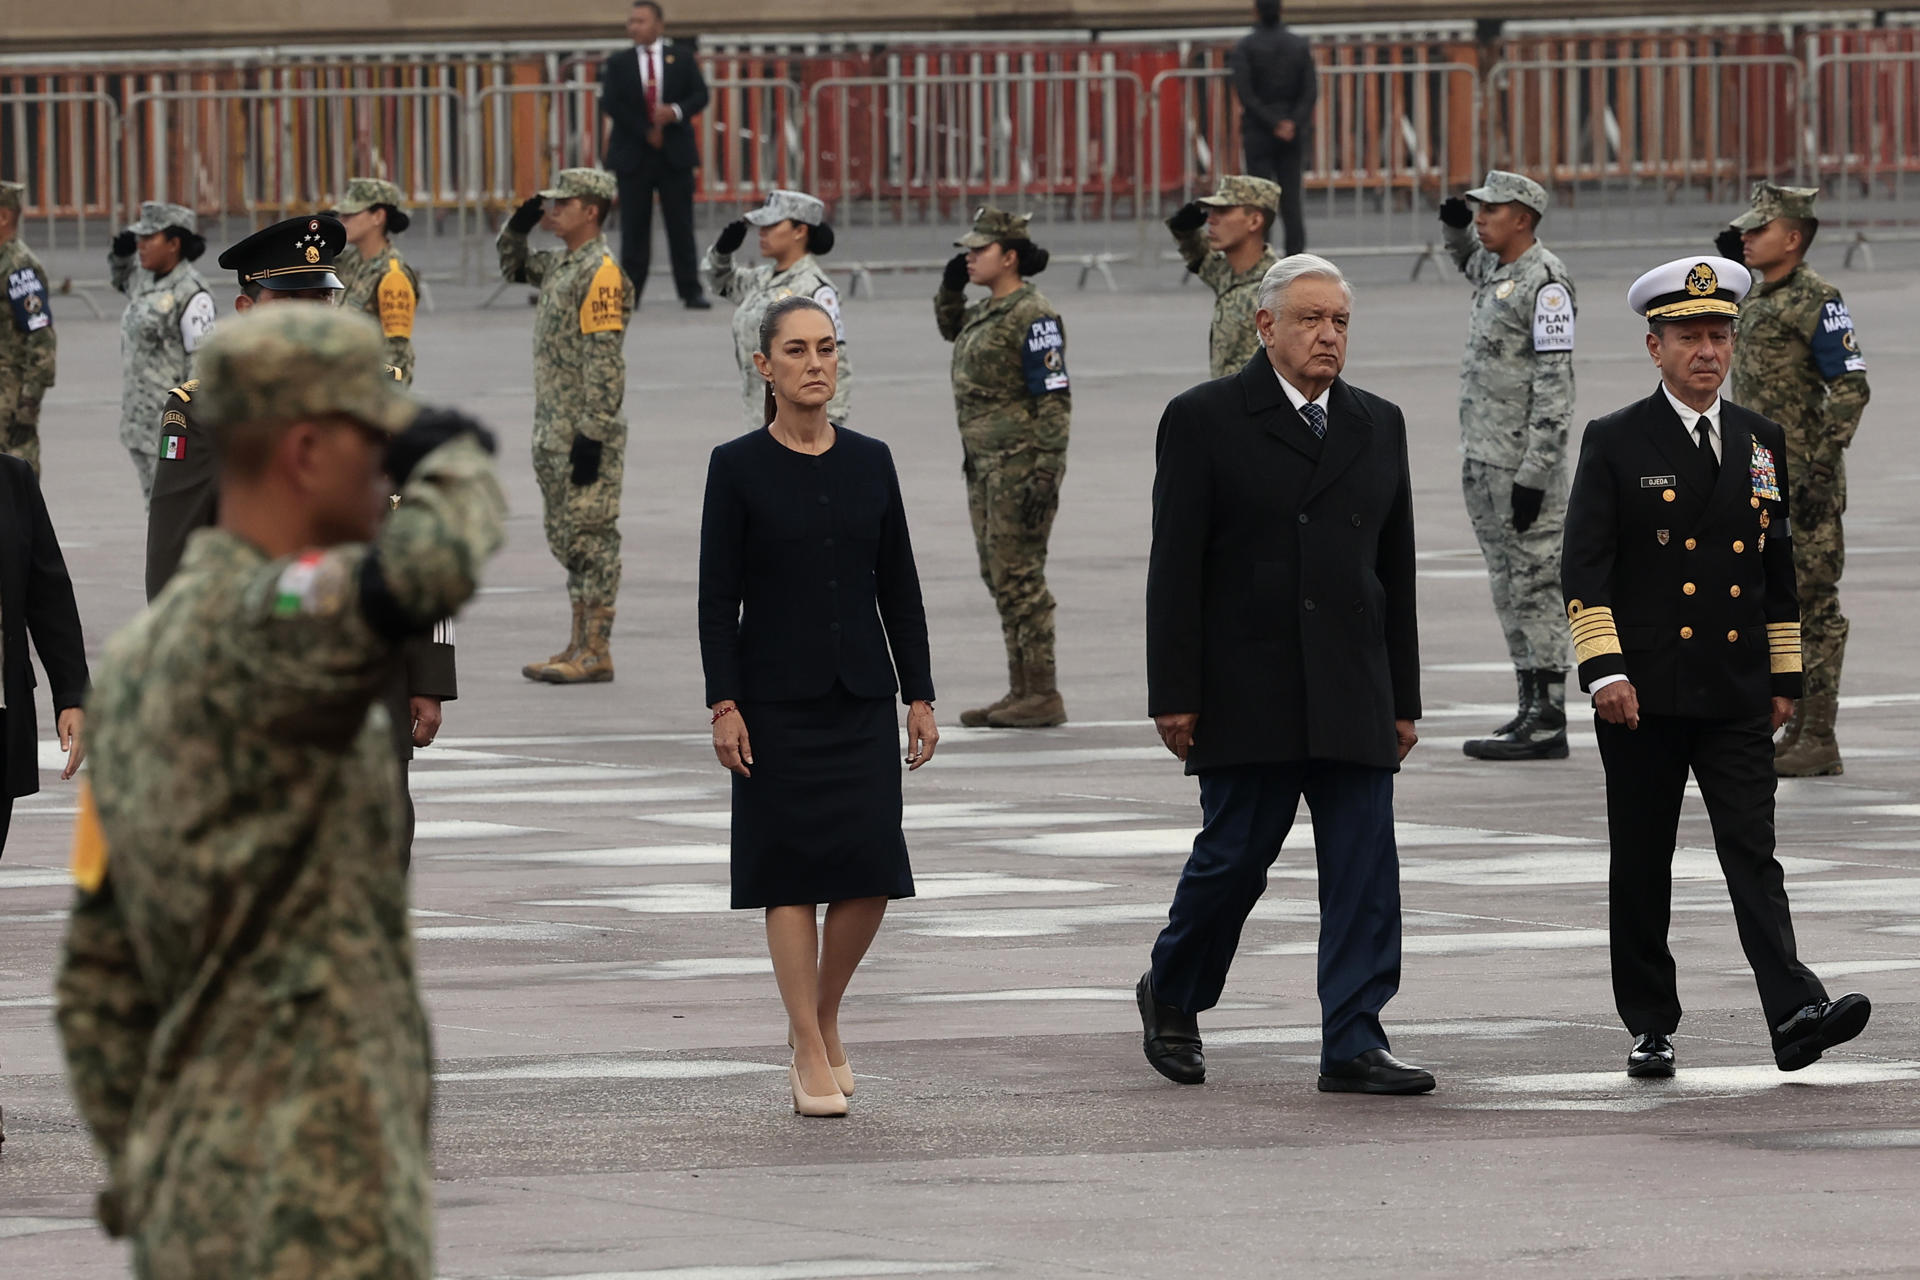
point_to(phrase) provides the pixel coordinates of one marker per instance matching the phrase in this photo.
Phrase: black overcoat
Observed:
(36, 601)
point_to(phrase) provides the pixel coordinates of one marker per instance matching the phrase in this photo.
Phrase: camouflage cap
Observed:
(157, 215)
(1502, 187)
(1770, 202)
(994, 226)
(1241, 190)
(13, 195)
(570, 184)
(789, 206)
(289, 364)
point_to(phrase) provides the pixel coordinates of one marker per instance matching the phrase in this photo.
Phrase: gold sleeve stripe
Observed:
(1783, 645)
(1594, 635)
(1786, 663)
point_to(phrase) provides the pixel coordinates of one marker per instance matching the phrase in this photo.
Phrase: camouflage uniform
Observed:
(1234, 337)
(579, 384)
(166, 319)
(238, 998)
(383, 286)
(1010, 388)
(27, 342)
(1798, 361)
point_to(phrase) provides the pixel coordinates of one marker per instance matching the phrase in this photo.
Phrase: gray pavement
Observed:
(611, 1100)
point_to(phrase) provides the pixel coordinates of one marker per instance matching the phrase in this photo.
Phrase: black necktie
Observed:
(1703, 431)
(1316, 418)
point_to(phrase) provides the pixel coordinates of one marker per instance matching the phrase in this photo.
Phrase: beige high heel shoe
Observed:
(842, 1074)
(807, 1104)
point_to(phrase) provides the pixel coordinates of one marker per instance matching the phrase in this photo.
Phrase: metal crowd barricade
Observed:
(1642, 149)
(64, 145)
(1864, 139)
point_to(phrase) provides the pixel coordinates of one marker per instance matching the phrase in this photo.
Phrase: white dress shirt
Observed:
(1295, 396)
(653, 70)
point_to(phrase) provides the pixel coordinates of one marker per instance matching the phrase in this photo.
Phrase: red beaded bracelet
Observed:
(722, 712)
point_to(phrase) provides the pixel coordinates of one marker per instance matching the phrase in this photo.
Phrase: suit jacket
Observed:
(1275, 79)
(1680, 582)
(623, 99)
(1280, 589)
(36, 601)
(807, 574)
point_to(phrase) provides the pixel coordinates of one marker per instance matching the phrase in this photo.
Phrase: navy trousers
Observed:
(1248, 810)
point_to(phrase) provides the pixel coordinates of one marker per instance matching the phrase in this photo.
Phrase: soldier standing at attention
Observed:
(1010, 386)
(26, 335)
(1799, 363)
(1516, 404)
(579, 385)
(1223, 240)
(169, 311)
(237, 999)
(378, 280)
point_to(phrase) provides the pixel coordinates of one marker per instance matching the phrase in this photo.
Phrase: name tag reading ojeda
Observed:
(1658, 482)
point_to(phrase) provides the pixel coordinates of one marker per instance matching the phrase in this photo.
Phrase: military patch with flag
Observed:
(173, 448)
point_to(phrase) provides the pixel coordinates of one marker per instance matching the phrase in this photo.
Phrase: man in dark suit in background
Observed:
(1274, 76)
(1283, 660)
(651, 97)
(1678, 572)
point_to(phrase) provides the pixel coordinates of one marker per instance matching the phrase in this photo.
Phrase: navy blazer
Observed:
(36, 601)
(1280, 587)
(807, 574)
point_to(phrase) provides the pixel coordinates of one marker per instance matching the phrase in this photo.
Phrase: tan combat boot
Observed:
(1039, 705)
(533, 669)
(980, 717)
(592, 662)
(1816, 754)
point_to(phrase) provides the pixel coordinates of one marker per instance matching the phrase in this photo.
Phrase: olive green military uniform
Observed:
(27, 342)
(383, 286)
(1011, 391)
(579, 428)
(166, 319)
(1234, 337)
(1798, 361)
(238, 998)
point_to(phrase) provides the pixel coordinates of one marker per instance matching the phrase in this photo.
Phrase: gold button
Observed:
(1738, 547)
(1686, 633)
(1735, 591)
(1732, 636)
(1691, 544)
(1687, 587)
(1754, 501)
(1667, 495)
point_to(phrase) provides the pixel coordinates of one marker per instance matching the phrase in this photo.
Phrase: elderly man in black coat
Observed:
(1283, 661)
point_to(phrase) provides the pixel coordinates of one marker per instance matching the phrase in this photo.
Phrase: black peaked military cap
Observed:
(289, 256)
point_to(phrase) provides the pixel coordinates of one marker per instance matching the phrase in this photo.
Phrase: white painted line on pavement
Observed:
(617, 1069)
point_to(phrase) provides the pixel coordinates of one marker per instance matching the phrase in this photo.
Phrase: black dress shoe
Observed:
(699, 302)
(1171, 1037)
(1800, 1040)
(1652, 1057)
(1375, 1071)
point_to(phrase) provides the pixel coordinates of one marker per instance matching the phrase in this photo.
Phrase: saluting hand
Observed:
(923, 735)
(730, 742)
(1619, 704)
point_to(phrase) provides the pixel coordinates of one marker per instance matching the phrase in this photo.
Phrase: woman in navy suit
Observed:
(810, 622)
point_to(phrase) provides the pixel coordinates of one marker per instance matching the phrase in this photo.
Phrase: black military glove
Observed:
(125, 244)
(732, 236)
(1732, 244)
(955, 278)
(1526, 507)
(1456, 212)
(585, 457)
(527, 216)
(1191, 217)
(431, 429)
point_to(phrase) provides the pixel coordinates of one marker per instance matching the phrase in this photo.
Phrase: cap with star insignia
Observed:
(289, 256)
(1691, 287)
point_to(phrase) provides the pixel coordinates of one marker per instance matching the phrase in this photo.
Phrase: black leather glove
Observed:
(431, 429)
(955, 278)
(1191, 217)
(732, 236)
(1731, 244)
(585, 457)
(1456, 212)
(527, 216)
(125, 245)
(1526, 507)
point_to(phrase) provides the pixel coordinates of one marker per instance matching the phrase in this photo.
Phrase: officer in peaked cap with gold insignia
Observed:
(1678, 574)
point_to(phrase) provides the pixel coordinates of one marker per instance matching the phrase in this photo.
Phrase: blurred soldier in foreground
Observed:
(169, 313)
(26, 335)
(290, 261)
(238, 999)
(1799, 363)
(579, 386)
(1275, 80)
(1516, 404)
(1223, 240)
(377, 279)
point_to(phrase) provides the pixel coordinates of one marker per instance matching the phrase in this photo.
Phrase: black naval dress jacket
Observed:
(1682, 583)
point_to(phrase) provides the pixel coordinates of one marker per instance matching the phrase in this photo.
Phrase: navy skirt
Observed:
(819, 820)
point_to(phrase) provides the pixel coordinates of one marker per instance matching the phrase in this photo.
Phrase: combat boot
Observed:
(981, 717)
(1526, 690)
(1542, 735)
(592, 663)
(533, 669)
(1039, 705)
(1815, 754)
